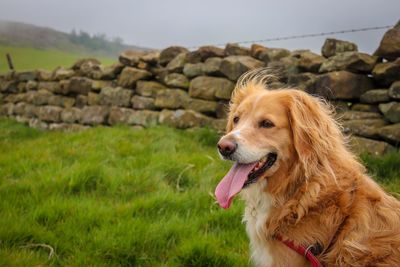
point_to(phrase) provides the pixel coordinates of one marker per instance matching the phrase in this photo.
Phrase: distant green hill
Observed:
(33, 58)
(27, 35)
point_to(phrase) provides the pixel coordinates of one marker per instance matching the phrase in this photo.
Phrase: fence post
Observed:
(9, 61)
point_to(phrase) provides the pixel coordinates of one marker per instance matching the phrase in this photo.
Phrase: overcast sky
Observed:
(161, 23)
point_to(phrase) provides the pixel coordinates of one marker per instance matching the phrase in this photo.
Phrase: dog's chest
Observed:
(258, 205)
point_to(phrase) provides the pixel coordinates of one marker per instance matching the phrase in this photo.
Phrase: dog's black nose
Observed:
(226, 147)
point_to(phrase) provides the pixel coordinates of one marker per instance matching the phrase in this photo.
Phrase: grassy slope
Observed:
(121, 197)
(25, 58)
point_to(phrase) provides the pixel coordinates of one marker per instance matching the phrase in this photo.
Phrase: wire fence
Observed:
(302, 36)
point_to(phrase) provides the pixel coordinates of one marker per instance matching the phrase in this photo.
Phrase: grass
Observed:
(122, 197)
(26, 58)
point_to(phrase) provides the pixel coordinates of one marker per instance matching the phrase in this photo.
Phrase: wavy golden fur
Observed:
(319, 191)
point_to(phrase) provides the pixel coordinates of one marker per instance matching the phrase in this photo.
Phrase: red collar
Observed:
(302, 251)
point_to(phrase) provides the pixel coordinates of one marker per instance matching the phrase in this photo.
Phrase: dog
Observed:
(300, 182)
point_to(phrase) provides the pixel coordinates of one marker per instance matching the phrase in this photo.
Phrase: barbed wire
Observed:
(302, 36)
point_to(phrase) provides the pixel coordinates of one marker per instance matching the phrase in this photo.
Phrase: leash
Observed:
(306, 252)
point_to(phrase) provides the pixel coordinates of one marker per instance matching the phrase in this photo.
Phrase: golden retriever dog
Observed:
(301, 183)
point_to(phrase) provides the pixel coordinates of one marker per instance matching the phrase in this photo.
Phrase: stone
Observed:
(53, 87)
(93, 99)
(129, 58)
(12, 98)
(120, 116)
(394, 90)
(183, 119)
(50, 113)
(388, 72)
(358, 115)
(222, 109)
(142, 102)
(37, 124)
(85, 61)
(391, 133)
(129, 76)
(258, 51)
(206, 88)
(30, 111)
(7, 109)
(203, 53)
(212, 66)
(234, 66)
(176, 80)
(202, 106)
(21, 87)
(150, 58)
(21, 119)
(107, 73)
(81, 101)
(27, 76)
(170, 53)
(64, 86)
(361, 145)
(391, 111)
(176, 64)
(171, 99)
(39, 98)
(191, 70)
(71, 115)
(389, 47)
(79, 85)
(61, 101)
(143, 65)
(351, 61)
(98, 85)
(333, 47)
(284, 68)
(145, 118)
(9, 87)
(19, 109)
(340, 106)
(301, 80)
(62, 74)
(118, 96)
(375, 96)
(341, 85)
(31, 85)
(309, 61)
(149, 88)
(44, 75)
(275, 54)
(219, 125)
(364, 108)
(366, 127)
(66, 127)
(94, 115)
(236, 50)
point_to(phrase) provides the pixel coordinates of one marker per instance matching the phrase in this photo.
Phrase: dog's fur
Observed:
(317, 192)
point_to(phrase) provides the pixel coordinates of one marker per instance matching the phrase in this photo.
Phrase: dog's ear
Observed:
(315, 132)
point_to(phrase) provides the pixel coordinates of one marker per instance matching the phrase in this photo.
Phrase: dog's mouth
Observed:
(259, 168)
(241, 176)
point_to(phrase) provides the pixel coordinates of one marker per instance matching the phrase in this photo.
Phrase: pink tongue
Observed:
(232, 183)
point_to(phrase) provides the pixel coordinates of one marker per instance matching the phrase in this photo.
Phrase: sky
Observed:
(162, 23)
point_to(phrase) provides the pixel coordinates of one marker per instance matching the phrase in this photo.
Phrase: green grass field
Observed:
(25, 58)
(122, 197)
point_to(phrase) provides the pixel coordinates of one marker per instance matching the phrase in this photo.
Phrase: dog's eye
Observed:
(266, 124)
(236, 119)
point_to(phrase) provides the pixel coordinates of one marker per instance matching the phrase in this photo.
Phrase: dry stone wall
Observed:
(184, 89)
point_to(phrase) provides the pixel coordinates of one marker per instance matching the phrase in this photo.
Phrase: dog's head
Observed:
(273, 132)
